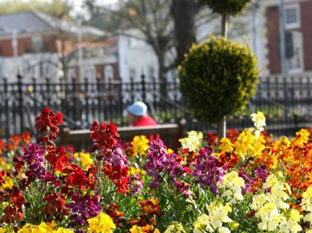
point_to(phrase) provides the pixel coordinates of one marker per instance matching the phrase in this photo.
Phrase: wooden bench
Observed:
(168, 133)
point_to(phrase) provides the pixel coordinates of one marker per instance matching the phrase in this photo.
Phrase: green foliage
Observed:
(56, 8)
(218, 78)
(231, 7)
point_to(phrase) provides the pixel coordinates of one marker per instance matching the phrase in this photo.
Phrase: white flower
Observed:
(258, 120)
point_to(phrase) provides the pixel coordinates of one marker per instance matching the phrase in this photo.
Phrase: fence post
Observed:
(143, 87)
(6, 96)
(132, 89)
(48, 90)
(74, 99)
(35, 95)
(87, 99)
(120, 99)
(20, 100)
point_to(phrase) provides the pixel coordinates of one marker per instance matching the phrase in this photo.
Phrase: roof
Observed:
(27, 22)
(32, 22)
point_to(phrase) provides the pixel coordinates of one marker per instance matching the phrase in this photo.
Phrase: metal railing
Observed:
(286, 102)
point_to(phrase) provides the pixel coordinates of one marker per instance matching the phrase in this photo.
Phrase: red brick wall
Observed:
(306, 27)
(25, 45)
(272, 15)
(100, 70)
(6, 49)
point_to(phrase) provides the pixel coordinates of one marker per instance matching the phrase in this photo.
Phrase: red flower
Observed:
(13, 143)
(1, 146)
(56, 204)
(47, 123)
(116, 215)
(57, 158)
(119, 176)
(104, 134)
(76, 176)
(211, 139)
(233, 135)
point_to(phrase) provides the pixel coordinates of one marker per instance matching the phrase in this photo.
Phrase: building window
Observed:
(295, 62)
(108, 73)
(151, 73)
(89, 73)
(132, 73)
(36, 44)
(292, 16)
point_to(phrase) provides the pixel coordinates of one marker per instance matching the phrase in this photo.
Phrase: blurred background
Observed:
(89, 59)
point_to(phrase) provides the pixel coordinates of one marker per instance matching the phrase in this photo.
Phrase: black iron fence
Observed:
(286, 102)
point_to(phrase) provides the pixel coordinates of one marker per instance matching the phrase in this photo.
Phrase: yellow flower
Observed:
(8, 182)
(101, 224)
(233, 225)
(85, 159)
(140, 144)
(5, 230)
(295, 215)
(193, 141)
(232, 186)
(63, 230)
(135, 229)
(244, 144)
(26, 228)
(133, 170)
(225, 145)
(302, 137)
(175, 227)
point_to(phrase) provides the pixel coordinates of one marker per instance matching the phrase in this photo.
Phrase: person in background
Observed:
(137, 115)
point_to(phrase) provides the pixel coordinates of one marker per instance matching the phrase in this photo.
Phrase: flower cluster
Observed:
(247, 183)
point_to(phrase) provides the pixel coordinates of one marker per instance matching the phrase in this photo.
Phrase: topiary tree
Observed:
(231, 7)
(218, 78)
(224, 71)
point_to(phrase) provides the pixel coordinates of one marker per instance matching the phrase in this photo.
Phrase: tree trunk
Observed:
(183, 13)
(162, 77)
(221, 128)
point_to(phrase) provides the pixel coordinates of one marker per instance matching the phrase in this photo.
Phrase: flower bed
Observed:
(248, 183)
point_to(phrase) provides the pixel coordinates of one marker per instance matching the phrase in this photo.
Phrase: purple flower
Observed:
(156, 161)
(183, 188)
(137, 183)
(117, 158)
(34, 157)
(208, 170)
(262, 173)
(83, 208)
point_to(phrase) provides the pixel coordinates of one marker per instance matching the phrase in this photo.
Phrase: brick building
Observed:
(298, 35)
(36, 44)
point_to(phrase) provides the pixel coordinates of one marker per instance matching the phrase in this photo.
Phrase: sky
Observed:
(78, 3)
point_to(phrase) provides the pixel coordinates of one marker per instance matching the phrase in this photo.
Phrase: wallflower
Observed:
(245, 144)
(193, 140)
(43, 228)
(1, 147)
(306, 202)
(218, 214)
(86, 160)
(175, 227)
(136, 229)
(47, 122)
(225, 145)
(208, 170)
(301, 138)
(101, 224)
(258, 120)
(232, 187)
(140, 144)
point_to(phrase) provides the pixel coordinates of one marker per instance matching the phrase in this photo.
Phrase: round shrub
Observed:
(231, 7)
(217, 78)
